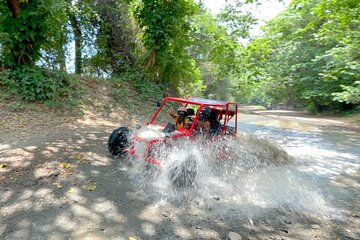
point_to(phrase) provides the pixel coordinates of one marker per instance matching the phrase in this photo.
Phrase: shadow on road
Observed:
(60, 183)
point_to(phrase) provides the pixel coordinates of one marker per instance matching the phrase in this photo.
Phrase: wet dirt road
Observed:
(325, 156)
(58, 182)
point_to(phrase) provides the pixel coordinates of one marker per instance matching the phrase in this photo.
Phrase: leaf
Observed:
(132, 238)
(3, 165)
(90, 188)
(72, 190)
(77, 155)
(65, 165)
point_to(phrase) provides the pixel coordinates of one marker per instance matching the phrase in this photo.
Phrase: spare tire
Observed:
(118, 141)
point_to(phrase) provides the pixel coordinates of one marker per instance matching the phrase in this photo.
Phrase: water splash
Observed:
(235, 178)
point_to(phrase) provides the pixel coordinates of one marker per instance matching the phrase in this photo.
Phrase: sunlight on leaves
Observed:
(90, 188)
(65, 165)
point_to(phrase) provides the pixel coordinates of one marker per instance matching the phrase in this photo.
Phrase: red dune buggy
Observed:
(196, 120)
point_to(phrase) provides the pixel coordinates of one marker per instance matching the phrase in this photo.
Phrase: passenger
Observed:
(181, 121)
(203, 120)
(215, 125)
(204, 126)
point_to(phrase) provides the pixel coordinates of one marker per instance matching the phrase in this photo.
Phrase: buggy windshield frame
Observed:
(226, 109)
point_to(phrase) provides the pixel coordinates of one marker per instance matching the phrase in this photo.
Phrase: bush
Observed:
(37, 83)
(312, 108)
(350, 94)
(136, 80)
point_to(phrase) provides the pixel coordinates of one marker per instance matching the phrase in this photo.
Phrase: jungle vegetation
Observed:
(307, 56)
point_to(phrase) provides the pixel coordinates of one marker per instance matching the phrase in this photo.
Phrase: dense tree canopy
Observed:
(308, 55)
(26, 27)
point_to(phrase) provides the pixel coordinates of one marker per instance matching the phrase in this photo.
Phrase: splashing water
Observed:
(234, 177)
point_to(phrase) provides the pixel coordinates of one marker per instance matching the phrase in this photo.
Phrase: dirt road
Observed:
(57, 181)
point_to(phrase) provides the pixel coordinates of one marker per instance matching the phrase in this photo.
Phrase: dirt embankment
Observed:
(57, 181)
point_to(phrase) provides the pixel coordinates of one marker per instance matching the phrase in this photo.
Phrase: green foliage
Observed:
(311, 107)
(237, 17)
(132, 90)
(116, 43)
(22, 37)
(136, 80)
(179, 71)
(216, 55)
(162, 21)
(17, 105)
(147, 89)
(166, 36)
(38, 83)
(350, 94)
(309, 54)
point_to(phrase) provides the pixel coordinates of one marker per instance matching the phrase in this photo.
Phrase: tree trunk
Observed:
(61, 58)
(14, 7)
(77, 34)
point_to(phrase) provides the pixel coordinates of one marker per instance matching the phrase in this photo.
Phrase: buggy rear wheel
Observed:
(118, 141)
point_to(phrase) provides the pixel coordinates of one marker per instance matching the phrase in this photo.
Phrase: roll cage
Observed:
(226, 111)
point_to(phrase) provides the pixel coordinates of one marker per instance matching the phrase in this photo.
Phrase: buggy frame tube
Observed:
(201, 105)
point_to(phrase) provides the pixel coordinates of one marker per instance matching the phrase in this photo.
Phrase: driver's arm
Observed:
(171, 113)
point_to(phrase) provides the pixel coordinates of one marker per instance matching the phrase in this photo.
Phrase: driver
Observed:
(203, 120)
(180, 118)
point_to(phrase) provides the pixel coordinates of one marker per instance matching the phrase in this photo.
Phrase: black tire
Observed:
(183, 175)
(118, 141)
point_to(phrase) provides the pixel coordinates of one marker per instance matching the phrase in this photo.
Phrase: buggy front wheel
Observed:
(118, 142)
